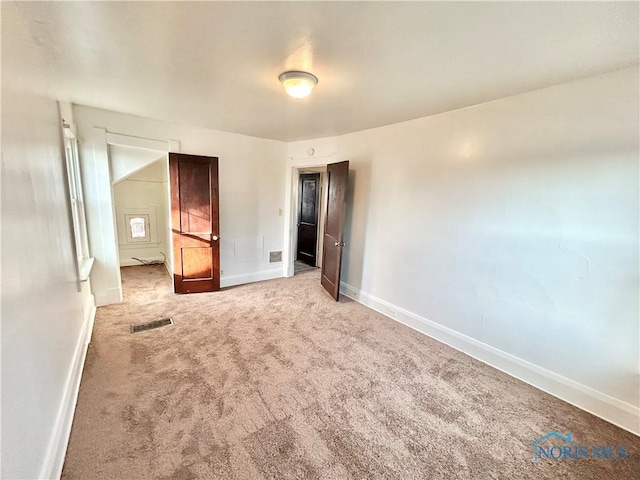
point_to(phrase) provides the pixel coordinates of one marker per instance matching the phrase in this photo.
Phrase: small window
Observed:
(137, 226)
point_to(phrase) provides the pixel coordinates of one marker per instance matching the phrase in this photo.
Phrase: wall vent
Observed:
(275, 257)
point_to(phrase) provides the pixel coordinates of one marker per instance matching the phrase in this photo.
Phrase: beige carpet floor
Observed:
(276, 380)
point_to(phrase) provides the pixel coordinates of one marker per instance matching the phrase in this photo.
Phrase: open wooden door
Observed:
(194, 223)
(338, 176)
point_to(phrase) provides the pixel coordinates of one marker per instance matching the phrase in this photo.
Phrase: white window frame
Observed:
(74, 177)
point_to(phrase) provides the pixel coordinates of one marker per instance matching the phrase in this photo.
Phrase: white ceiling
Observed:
(217, 64)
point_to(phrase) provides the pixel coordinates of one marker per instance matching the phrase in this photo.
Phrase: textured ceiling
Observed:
(217, 64)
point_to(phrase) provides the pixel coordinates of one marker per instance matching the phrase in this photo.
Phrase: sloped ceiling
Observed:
(216, 64)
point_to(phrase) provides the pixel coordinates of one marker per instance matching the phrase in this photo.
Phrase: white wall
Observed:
(146, 188)
(515, 224)
(45, 319)
(251, 179)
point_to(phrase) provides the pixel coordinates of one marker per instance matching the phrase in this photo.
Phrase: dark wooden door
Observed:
(308, 194)
(333, 242)
(195, 223)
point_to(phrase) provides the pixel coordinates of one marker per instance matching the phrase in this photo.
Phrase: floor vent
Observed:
(141, 327)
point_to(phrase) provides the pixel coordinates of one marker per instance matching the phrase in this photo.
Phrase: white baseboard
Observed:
(250, 277)
(613, 410)
(54, 459)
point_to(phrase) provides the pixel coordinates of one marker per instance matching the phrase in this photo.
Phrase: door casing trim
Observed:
(291, 195)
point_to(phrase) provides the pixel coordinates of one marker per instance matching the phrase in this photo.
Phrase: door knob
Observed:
(340, 244)
(214, 238)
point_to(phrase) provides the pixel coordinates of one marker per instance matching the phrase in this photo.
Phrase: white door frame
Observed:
(105, 280)
(290, 198)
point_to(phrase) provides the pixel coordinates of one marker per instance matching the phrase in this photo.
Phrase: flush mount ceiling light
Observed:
(298, 84)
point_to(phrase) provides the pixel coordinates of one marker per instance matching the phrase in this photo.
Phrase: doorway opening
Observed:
(298, 167)
(332, 244)
(142, 208)
(108, 168)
